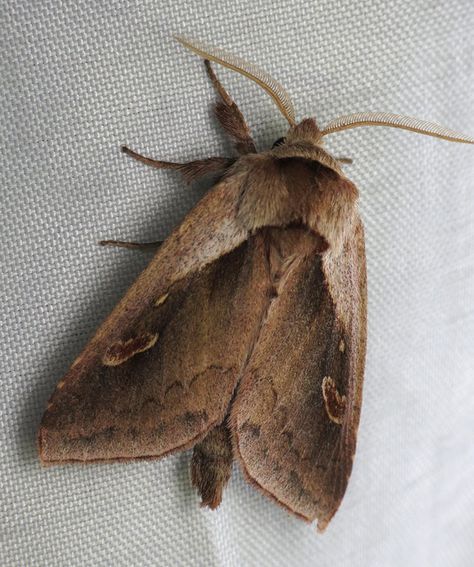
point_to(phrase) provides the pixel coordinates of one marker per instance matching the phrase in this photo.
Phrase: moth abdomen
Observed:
(211, 465)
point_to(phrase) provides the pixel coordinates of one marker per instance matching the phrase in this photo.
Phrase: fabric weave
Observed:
(80, 78)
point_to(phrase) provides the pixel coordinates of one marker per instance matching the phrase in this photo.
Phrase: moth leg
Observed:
(132, 245)
(211, 465)
(230, 117)
(191, 170)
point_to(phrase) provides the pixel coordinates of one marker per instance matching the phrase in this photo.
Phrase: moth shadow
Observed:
(80, 331)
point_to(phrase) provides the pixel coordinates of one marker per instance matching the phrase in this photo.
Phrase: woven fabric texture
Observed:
(80, 78)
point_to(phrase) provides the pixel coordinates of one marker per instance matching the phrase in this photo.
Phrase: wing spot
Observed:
(276, 467)
(289, 437)
(251, 428)
(103, 434)
(294, 481)
(133, 432)
(334, 402)
(295, 453)
(193, 418)
(78, 360)
(120, 351)
(342, 345)
(274, 397)
(281, 417)
(61, 384)
(161, 299)
(159, 430)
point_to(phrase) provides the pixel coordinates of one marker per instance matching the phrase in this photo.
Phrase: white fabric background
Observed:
(80, 78)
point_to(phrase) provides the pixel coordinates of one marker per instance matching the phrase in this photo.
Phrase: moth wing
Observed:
(296, 411)
(160, 371)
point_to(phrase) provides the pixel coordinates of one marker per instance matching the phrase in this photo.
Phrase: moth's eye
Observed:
(279, 142)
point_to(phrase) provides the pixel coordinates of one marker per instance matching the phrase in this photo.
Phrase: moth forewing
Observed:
(296, 410)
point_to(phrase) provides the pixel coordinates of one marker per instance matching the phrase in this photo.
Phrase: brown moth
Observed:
(245, 336)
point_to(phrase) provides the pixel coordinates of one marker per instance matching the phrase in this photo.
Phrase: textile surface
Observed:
(80, 78)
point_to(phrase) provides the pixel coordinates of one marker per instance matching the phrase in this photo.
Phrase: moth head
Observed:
(307, 130)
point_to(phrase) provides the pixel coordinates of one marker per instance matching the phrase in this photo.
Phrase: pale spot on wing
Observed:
(334, 402)
(120, 351)
(77, 361)
(161, 299)
(342, 345)
(322, 525)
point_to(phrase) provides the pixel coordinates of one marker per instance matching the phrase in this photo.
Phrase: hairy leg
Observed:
(190, 171)
(230, 117)
(132, 245)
